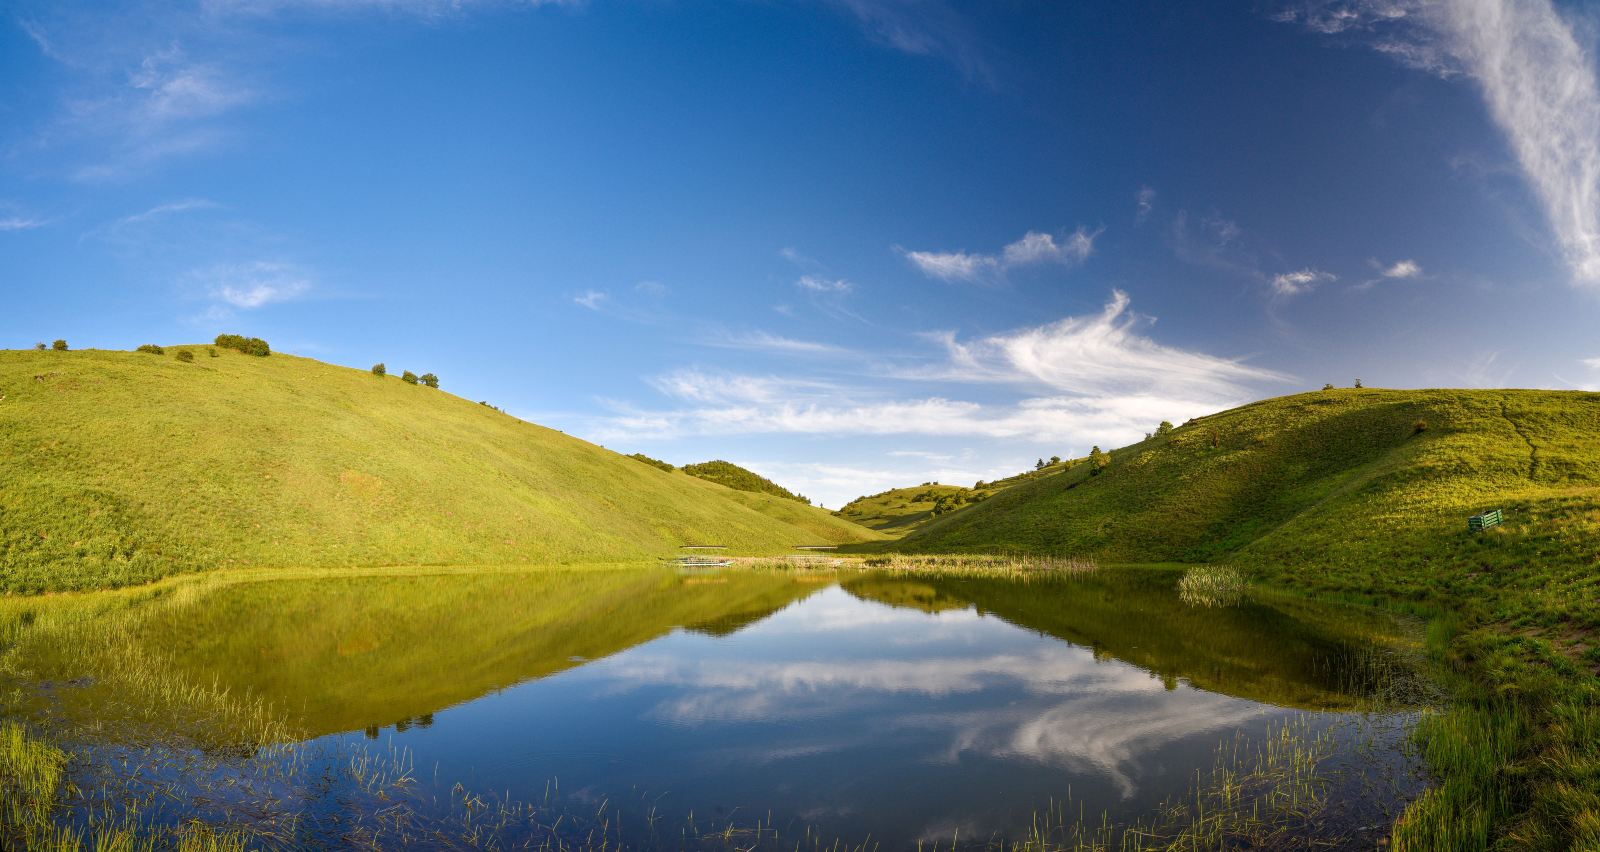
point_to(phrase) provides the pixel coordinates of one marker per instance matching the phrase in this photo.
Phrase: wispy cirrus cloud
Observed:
(932, 28)
(254, 284)
(1144, 203)
(1097, 354)
(823, 284)
(21, 223)
(168, 105)
(1081, 380)
(591, 299)
(768, 342)
(1034, 248)
(1400, 270)
(1538, 81)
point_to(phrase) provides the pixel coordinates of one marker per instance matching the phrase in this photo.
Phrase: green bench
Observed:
(1485, 520)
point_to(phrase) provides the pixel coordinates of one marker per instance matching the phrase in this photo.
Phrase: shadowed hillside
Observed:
(122, 467)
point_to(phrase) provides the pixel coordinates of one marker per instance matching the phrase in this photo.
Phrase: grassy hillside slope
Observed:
(121, 467)
(900, 510)
(1366, 494)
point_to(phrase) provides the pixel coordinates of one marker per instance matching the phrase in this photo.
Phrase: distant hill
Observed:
(120, 467)
(739, 479)
(1360, 478)
(898, 511)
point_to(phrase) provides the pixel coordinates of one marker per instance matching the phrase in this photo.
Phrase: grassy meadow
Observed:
(123, 467)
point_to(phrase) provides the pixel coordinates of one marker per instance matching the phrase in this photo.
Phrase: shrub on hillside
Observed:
(1164, 429)
(1328, 386)
(379, 370)
(248, 345)
(185, 356)
(212, 351)
(1419, 427)
(151, 349)
(59, 346)
(408, 377)
(1055, 460)
(39, 346)
(430, 380)
(1098, 461)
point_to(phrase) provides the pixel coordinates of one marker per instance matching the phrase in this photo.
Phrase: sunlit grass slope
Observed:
(122, 467)
(899, 510)
(1344, 477)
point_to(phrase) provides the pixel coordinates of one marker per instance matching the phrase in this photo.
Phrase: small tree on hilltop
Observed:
(1055, 460)
(430, 380)
(39, 346)
(408, 377)
(379, 370)
(1358, 384)
(1164, 429)
(1038, 465)
(1328, 386)
(59, 346)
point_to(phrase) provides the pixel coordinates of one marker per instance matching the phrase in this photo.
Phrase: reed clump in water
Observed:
(1211, 585)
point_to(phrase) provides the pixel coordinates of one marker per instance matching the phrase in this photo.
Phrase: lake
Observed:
(737, 707)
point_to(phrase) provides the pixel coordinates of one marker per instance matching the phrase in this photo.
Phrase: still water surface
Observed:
(854, 706)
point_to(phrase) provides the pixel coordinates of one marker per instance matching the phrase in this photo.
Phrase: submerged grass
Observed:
(1211, 585)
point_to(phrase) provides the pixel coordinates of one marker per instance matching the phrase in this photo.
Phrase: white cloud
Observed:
(1098, 354)
(1591, 363)
(1093, 380)
(591, 299)
(765, 341)
(1300, 281)
(823, 284)
(952, 266)
(255, 284)
(921, 28)
(1033, 248)
(21, 223)
(1145, 203)
(1537, 78)
(1402, 269)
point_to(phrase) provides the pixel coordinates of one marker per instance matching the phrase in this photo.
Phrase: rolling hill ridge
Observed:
(121, 467)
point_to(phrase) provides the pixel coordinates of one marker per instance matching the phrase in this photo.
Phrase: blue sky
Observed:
(850, 244)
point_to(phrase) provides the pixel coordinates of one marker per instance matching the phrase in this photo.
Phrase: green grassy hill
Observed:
(900, 510)
(1344, 477)
(739, 479)
(121, 467)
